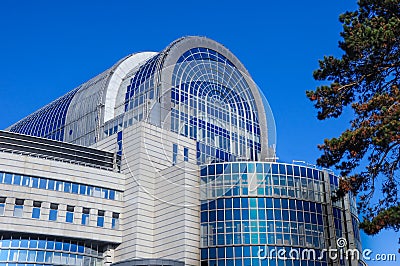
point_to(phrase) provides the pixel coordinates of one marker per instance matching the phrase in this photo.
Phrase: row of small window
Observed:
(49, 244)
(53, 213)
(253, 255)
(263, 191)
(47, 257)
(261, 214)
(261, 232)
(62, 186)
(261, 203)
(263, 168)
(263, 239)
(215, 181)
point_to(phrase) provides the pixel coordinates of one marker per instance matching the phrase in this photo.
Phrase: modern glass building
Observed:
(164, 159)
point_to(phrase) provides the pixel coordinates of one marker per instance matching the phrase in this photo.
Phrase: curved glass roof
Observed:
(196, 83)
(47, 122)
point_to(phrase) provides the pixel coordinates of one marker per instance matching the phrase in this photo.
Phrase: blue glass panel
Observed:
(245, 214)
(277, 214)
(204, 253)
(228, 203)
(204, 217)
(292, 204)
(228, 215)
(246, 251)
(213, 253)
(36, 213)
(69, 217)
(74, 247)
(74, 188)
(237, 214)
(269, 203)
(8, 179)
(236, 203)
(277, 203)
(212, 205)
(212, 216)
(67, 187)
(43, 183)
(82, 189)
(245, 203)
(306, 205)
(24, 243)
(50, 244)
(285, 203)
(17, 180)
(33, 243)
(253, 202)
(50, 185)
(100, 221)
(53, 215)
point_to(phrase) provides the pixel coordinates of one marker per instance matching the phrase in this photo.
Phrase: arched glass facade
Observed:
(213, 104)
(249, 207)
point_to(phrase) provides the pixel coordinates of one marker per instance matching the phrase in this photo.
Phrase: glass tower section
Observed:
(251, 208)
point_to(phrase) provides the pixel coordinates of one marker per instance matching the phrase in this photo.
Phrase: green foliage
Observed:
(366, 79)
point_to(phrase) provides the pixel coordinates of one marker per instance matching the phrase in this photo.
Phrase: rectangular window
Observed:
(25, 181)
(104, 193)
(185, 154)
(90, 191)
(43, 183)
(35, 182)
(8, 179)
(59, 186)
(17, 180)
(85, 216)
(82, 189)
(69, 217)
(174, 153)
(112, 194)
(50, 185)
(115, 221)
(67, 187)
(75, 188)
(36, 209)
(18, 207)
(53, 212)
(100, 218)
(2, 205)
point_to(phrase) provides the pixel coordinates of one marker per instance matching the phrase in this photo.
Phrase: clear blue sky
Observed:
(47, 48)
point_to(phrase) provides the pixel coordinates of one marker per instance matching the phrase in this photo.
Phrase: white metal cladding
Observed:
(120, 73)
(83, 112)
